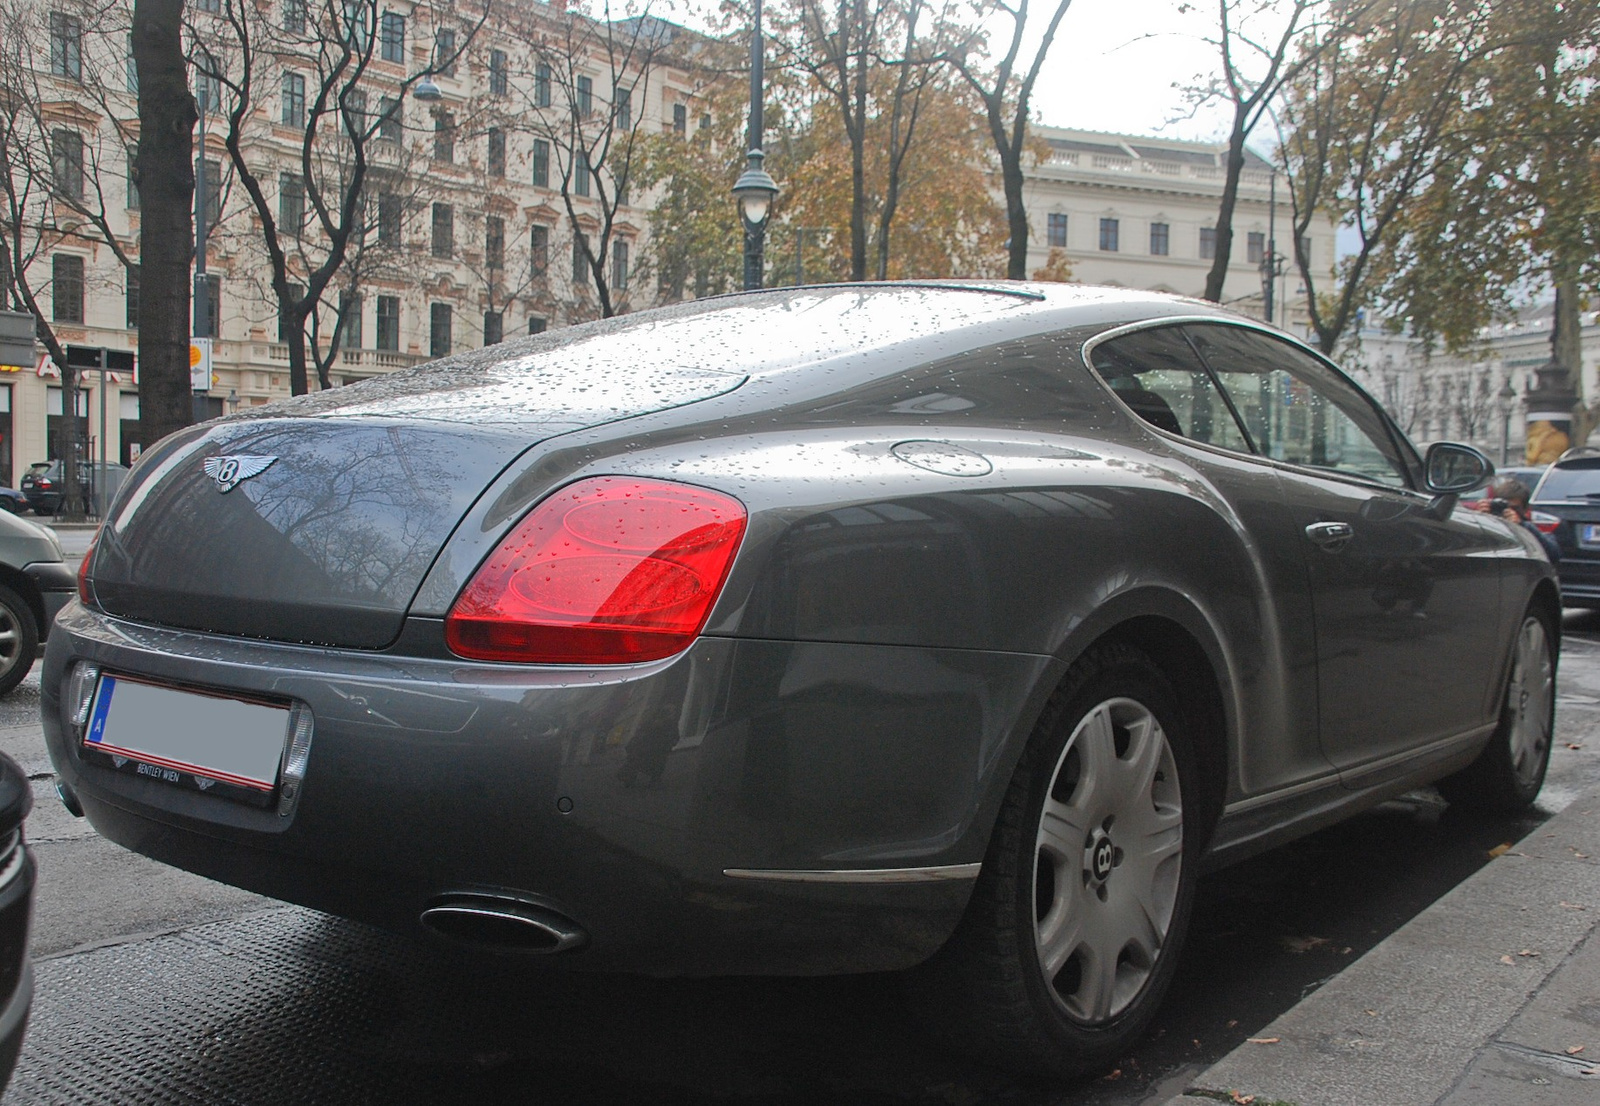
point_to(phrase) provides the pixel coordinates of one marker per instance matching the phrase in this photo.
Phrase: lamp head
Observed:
(755, 190)
(427, 91)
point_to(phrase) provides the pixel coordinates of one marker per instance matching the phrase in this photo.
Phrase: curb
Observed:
(1491, 995)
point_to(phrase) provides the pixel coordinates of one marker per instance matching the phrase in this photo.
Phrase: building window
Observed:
(211, 7)
(580, 173)
(493, 322)
(624, 100)
(444, 230)
(388, 219)
(680, 120)
(132, 80)
(1208, 243)
(66, 289)
(133, 179)
(444, 51)
(539, 250)
(585, 97)
(621, 190)
(388, 322)
(392, 37)
(130, 296)
(580, 263)
(705, 120)
(66, 161)
(358, 33)
(541, 163)
(619, 265)
(207, 91)
(297, 292)
(291, 203)
(355, 110)
(213, 206)
(444, 136)
(66, 46)
(350, 316)
(213, 305)
(536, 325)
(541, 85)
(498, 83)
(1160, 239)
(1255, 247)
(497, 152)
(1305, 249)
(1109, 232)
(294, 100)
(294, 16)
(439, 330)
(1055, 231)
(494, 242)
(390, 118)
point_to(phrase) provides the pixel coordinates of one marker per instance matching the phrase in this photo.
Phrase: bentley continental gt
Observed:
(952, 628)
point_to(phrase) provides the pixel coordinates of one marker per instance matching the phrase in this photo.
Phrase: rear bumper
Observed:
(620, 799)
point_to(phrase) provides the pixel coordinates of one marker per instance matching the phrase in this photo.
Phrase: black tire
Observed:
(1507, 776)
(9, 505)
(988, 991)
(19, 639)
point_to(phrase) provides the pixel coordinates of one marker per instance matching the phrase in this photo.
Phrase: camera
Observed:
(1499, 506)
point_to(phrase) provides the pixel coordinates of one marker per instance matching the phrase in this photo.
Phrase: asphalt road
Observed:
(128, 950)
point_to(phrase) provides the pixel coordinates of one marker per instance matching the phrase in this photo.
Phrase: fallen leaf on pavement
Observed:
(1573, 906)
(1372, 1013)
(1507, 960)
(1499, 850)
(1302, 944)
(1573, 745)
(1589, 1071)
(1265, 1040)
(1112, 1075)
(1232, 1022)
(1574, 1050)
(1527, 952)
(1242, 1099)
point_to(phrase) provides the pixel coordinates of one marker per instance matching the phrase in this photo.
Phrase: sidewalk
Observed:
(1490, 996)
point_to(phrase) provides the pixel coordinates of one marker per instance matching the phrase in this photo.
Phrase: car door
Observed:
(1156, 372)
(1405, 591)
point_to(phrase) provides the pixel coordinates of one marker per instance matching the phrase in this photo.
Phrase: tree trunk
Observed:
(1016, 213)
(1218, 275)
(1566, 347)
(166, 188)
(299, 381)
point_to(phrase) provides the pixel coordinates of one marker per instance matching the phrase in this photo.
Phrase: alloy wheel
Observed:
(1108, 857)
(1528, 697)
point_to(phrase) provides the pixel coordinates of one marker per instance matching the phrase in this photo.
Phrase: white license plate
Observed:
(1590, 535)
(213, 737)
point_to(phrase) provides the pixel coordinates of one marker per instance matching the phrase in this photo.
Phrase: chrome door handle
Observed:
(1330, 535)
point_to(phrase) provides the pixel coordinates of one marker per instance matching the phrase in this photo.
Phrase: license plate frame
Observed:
(213, 741)
(1589, 535)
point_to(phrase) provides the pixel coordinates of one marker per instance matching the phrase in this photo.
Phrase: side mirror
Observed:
(1451, 468)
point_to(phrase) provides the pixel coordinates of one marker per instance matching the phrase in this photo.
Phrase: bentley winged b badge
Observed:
(229, 470)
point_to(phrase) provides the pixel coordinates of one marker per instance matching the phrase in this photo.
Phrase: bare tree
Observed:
(1007, 97)
(316, 61)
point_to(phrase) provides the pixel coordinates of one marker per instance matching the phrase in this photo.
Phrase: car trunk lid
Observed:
(317, 522)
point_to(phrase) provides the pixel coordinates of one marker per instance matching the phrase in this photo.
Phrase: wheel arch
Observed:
(21, 583)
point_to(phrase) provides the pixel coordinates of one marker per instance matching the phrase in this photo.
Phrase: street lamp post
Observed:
(202, 287)
(755, 189)
(1271, 263)
(1505, 395)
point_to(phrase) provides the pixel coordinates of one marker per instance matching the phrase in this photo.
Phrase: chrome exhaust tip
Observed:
(69, 799)
(509, 925)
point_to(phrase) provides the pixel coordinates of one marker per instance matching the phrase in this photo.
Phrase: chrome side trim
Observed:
(935, 874)
(1240, 806)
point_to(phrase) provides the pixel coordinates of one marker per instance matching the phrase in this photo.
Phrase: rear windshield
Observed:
(1570, 483)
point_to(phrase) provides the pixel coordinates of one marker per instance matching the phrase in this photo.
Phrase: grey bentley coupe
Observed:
(951, 628)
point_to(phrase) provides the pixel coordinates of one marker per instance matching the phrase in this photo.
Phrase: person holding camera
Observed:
(1510, 502)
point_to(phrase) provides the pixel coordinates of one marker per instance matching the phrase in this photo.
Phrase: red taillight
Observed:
(43, 483)
(1544, 523)
(85, 595)
(609, 570)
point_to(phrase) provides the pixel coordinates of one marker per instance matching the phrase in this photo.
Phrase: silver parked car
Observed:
(952, 628)
(35, 583)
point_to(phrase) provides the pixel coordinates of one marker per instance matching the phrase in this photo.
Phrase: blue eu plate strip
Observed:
(102, 707)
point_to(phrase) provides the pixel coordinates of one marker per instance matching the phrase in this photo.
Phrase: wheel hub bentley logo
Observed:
(230, 470)
(1102, 859)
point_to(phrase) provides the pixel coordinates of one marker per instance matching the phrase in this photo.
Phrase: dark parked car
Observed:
(42, 484)
(16, 910)
(939, 627)
(13, 500)
(1566, 505)
(35, 583)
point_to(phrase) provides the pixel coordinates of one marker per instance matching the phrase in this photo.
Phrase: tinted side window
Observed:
(1297, 409)
(1156, 373)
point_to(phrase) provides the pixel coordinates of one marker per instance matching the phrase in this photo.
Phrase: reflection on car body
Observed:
(936, 627)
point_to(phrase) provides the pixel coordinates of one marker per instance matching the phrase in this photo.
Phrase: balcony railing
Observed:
(1153, 167)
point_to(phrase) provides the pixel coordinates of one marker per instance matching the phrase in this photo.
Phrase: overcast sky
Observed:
(1114, 65)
